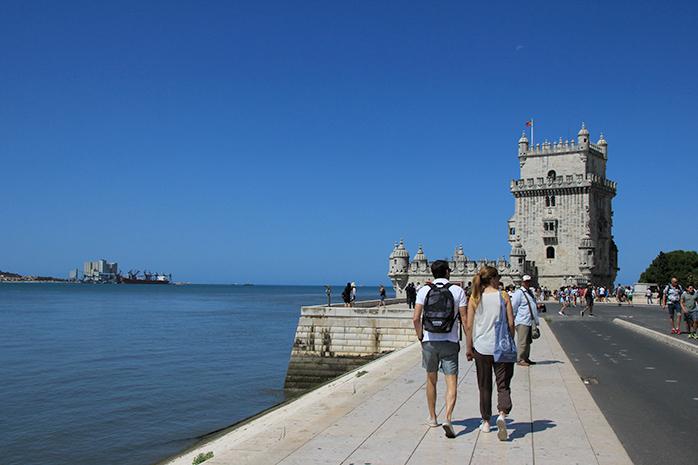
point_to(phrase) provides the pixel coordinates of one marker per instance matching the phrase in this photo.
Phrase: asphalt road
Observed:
(647, 390)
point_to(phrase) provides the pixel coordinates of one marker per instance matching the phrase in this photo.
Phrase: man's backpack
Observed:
(439, 313)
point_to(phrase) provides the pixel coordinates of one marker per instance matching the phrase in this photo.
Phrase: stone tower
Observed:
(399, 264)
(563, 217)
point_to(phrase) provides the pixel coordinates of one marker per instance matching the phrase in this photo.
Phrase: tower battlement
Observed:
(568, 181)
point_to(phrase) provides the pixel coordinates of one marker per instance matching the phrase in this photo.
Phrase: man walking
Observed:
(439, 337)
(690, 311)
(411, 295)
(670, 301)
(589, 298)
(525, 308)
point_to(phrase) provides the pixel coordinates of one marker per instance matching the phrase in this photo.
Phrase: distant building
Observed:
(100, 271)
(73, 275)
(563, 215)
(561, 230)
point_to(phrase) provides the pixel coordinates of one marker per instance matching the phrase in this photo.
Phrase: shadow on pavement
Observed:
(469, 424)
(519, 430)
(548, 362)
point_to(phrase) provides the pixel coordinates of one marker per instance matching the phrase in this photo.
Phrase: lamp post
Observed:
(328, 292)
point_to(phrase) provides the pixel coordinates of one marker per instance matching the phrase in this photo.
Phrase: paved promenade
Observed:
(376, 416)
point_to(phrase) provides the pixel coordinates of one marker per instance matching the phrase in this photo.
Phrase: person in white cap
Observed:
(526, 316)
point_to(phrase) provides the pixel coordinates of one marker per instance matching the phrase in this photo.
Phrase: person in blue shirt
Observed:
(525, 314)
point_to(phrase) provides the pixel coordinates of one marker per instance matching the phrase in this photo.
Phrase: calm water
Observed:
(109, 374)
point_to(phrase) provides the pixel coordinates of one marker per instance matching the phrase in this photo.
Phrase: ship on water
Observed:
(135, 277)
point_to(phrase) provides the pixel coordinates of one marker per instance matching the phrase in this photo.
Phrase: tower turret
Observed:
(523, 144)
(603, 145)
(517, 258)
(583, 137)
(419, 262)
(399, 263)
(587, 261)
(459, 259)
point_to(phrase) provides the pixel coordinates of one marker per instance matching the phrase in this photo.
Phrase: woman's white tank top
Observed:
(486, 314)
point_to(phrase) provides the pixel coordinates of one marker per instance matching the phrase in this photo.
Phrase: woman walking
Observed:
(484, 310)
(564, 301)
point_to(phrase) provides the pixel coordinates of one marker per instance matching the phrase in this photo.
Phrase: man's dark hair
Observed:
(440, 269)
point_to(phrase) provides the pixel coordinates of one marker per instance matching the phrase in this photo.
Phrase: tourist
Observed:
(381, 293)
(346, 295)
(484, 310)
(629, 295)
(525, 310)
(564, 301)
(620, 294)
(439, 336)
(589, 299)
(411, 295)
(648, 294)
(690, 310)
(671, 301)
(353, 294)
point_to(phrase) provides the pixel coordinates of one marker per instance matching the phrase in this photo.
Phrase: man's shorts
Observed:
(440, 356)
(674, 308)
(693, 315)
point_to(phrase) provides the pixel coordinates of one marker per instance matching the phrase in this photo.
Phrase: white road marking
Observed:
(649, 368)
(670, 381)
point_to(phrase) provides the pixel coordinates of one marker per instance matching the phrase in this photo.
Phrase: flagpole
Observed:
(532, 143)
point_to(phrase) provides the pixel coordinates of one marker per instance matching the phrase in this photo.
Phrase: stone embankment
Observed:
(331, 341)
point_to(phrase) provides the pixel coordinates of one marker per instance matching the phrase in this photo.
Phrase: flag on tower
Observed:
(529, 123)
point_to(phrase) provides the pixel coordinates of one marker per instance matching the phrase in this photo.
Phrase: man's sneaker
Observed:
(485, 426)
(591, 314)
(673, 330)
(431, 422)
(581, 313)
(502, 428)
(448, 428)
(561, 313)
(522, 363)
(678, 331)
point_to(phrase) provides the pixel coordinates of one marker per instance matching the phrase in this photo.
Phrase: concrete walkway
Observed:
(376, 416)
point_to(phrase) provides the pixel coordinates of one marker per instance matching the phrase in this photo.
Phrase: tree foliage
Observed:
(682, 264)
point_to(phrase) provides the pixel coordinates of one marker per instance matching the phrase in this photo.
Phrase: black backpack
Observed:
(439, 312)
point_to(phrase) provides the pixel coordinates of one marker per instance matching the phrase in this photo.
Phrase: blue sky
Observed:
(273, 142)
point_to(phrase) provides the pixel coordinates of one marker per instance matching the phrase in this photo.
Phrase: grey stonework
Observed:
(560, 232)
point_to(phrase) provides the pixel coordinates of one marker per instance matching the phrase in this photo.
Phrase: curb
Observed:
(656, 335)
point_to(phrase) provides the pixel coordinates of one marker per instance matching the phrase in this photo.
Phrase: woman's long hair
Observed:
(482, 279)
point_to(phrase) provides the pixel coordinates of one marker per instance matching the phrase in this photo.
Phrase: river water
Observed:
(119, 374)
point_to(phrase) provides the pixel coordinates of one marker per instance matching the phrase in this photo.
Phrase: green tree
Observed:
(682, 264)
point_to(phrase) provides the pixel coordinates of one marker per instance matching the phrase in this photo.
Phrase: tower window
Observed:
(512, 231)
(547, 200)
(552, 174)
(552, 200)
(550, 252)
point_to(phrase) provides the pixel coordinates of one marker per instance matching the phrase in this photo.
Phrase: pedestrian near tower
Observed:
(484, 310)
(671, 302)
(525, 308)
(439, 312)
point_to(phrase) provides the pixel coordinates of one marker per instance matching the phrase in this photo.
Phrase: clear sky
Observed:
(293, 142)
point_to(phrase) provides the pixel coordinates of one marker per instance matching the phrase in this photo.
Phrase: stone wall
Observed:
(330, 341)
